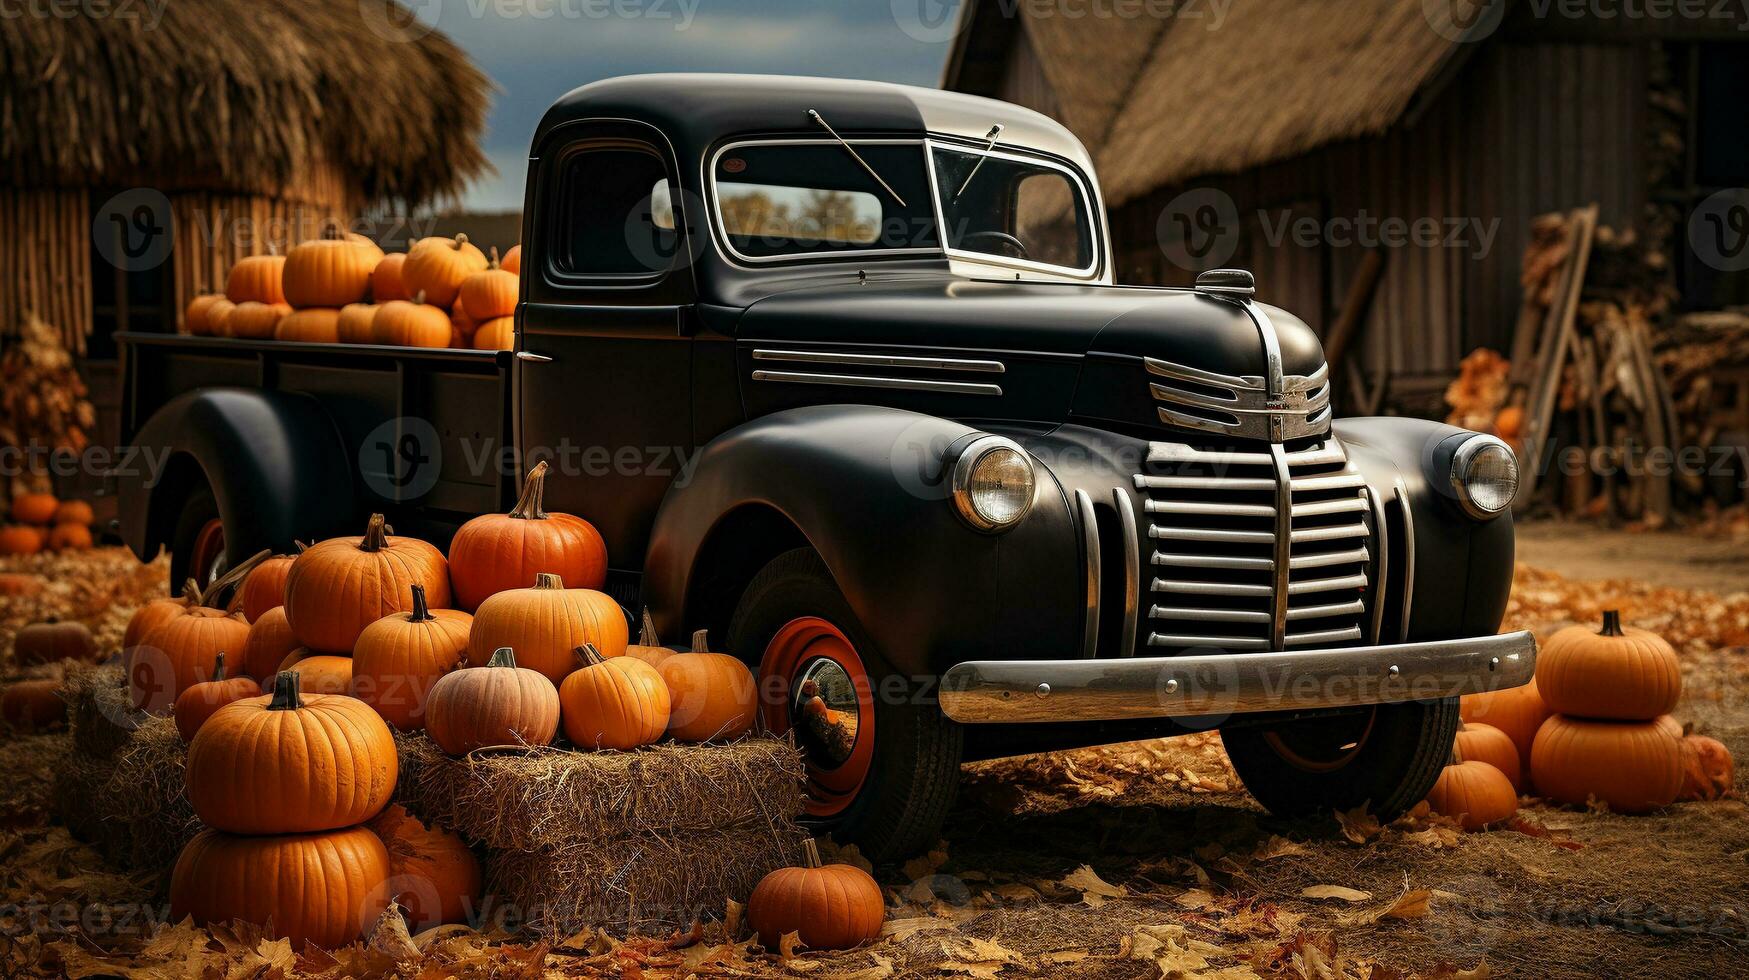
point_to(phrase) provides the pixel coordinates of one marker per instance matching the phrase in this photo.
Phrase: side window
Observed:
(614, 217)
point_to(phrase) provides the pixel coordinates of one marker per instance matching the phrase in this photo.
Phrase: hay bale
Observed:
(121, 787)
(31, 764)
(650, 839)
(650, 884)
(102, 717)
(539, 798)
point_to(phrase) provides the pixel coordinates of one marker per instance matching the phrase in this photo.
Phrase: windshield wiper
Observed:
(815, 115)
(994, 132)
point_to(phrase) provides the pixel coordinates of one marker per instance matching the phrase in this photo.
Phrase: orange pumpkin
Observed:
(398, 658)
(51, 642)
(314, 325)
(1476, 793)
(20, 539)
(356, 323)
(438, 267)
(74, 512)
(338, 587)
(461, 329)
(832, 907)
(69, 537)
(1634, 766)
(499, 552)
(195, 318)
(332, 271)
(218, 318)
(201, 701)
(1485, 743)
(269, 643)
(290, 763)
(257, 279)
(255, 321)
(490, 293)
(499, 704)
(613, 704)
(649, 647)
(181, 652)
(33, 705)
(400, 323)
(1617, 672)
(34, 508)
(713, 696)
(1708, 772)
(264, 588)
(156, 613)
(319, 673)
(1517, 711)
(432, 873)
(325, 889)
(19, 585)
(496, 334)
(385, 279)
(513, 260)
(544, 624)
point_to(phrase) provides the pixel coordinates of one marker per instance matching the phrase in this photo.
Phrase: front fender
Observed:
(864, 487)
(274, 461)
(1463, 567)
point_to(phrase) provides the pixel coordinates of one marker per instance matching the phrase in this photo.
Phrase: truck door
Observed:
(603, 354)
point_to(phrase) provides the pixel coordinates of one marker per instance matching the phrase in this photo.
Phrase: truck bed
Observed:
(463, 394)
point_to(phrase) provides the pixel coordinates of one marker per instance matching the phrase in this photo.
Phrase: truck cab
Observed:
(840, 372)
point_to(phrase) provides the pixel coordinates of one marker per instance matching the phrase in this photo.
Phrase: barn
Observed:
(1378, 163)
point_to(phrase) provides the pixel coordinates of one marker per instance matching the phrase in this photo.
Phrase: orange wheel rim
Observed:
(1325, 761)
(811, 648)
(209, 548)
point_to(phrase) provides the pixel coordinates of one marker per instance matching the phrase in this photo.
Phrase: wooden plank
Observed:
(1550, 361)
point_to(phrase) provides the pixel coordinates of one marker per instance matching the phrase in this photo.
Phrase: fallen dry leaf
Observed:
(1358, 825)
(1412, 904)
(1336, 892)
(1094, 889)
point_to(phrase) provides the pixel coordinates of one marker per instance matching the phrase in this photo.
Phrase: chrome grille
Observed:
(1253, 549)
(1239, 406)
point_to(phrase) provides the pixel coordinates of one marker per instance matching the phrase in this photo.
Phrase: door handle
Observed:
(523, 355)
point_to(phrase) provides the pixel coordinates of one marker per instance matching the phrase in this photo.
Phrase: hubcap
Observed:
(1323, 746)
(816, 687)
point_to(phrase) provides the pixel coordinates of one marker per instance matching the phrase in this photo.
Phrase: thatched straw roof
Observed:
(1159, 100)
(238, 95)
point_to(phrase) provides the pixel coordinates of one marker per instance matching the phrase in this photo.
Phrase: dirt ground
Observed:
(1140, 860)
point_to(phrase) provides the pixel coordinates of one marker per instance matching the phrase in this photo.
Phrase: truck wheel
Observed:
(1387, 758)
(197, 545)
(883, 763)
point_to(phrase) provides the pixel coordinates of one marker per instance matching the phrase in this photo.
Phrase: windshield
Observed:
(1005, 206)
(789, 199)
(811, 198)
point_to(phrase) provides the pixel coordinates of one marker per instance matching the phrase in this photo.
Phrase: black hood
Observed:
(1172, 324)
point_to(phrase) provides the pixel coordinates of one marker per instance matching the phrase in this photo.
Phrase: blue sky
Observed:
(537, 50)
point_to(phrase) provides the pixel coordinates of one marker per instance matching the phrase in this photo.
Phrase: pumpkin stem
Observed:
(219, 666)
(376, 536)
(285, 692)
(421, 613)
(419, 298)
(461, 238)
(810, 853)
(492, 262)
(191, 592)
(331, 230)
(502, 657)
(300, 546)
(528, 506)
(647, 631)
(1611, 623)
(700, 642)
(547, 580)
(589, 655)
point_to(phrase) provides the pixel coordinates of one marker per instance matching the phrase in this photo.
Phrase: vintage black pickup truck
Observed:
(839, 371)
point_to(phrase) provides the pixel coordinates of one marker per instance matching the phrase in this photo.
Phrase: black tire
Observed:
(1394, 766)
(197, 510)
(914, 771)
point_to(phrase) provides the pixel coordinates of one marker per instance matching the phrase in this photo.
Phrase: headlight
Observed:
(993, 484)
(1484, 474)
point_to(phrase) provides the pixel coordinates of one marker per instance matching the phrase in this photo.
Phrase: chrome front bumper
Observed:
(1204, 686)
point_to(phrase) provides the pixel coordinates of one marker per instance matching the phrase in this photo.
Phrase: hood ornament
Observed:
(1227, 282)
